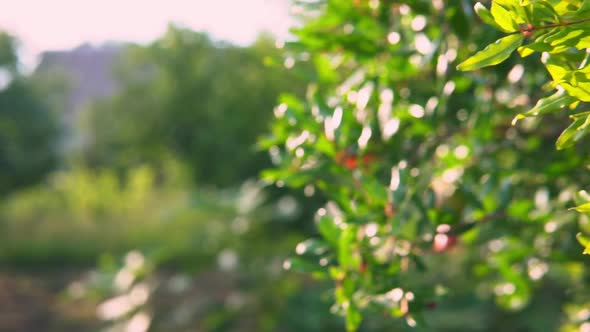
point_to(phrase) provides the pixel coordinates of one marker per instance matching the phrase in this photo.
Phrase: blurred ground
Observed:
(32, 302)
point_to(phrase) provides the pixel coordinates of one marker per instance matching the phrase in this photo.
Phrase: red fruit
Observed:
(431, 305)
(346, 159)
(528, 30)
(350, 162)
(443, 242)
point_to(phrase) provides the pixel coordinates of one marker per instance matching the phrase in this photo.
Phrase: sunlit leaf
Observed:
(584, 208)
(503, 17)
(584, 241)
(572, 134)
(493, 54)
(549, 104)
(486, 16)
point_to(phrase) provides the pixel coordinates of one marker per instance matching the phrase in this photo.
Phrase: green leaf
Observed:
(329, 230)
(570, 38)
(503, 18)
(347, 249)
(584, 7)
(311, 247)
(577, 88)
(326, 72)
(557, 69)
(486, 17)
(572, 134)
(529, 49)
(493, 54)
(549, 104)
(584, 208)
(353, 318)
(544, 11)
(303, 265)
(585, 241)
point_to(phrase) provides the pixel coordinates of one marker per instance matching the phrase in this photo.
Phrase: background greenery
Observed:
(400, 186)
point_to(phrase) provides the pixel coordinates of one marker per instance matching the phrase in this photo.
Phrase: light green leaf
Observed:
(570, 38)
(584, 208)
(549, 104)
(525, 51)
(555, 34)
(486, 17)
(580, 90)
(557, 69)
(572, 134)
(585, 241)
(583, 43)
(353, 318)
(493, 54)
(346, 248)
(529, 49)
(503, 17)
(329, 230)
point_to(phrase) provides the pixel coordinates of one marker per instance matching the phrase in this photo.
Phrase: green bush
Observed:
(81, 214)
(437, 202)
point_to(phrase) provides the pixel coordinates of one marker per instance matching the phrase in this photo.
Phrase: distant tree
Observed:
(28, 130)
(185, 96)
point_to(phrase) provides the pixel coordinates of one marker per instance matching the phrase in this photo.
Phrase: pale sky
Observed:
(62, 24)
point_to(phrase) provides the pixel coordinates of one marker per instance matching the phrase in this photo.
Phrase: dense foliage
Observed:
(560, 29)
(436, 203)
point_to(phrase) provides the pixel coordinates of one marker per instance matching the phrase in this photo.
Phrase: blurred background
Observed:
(129, 190)
(128, 165)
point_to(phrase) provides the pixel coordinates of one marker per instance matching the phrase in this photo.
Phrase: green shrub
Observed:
(436, 202)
